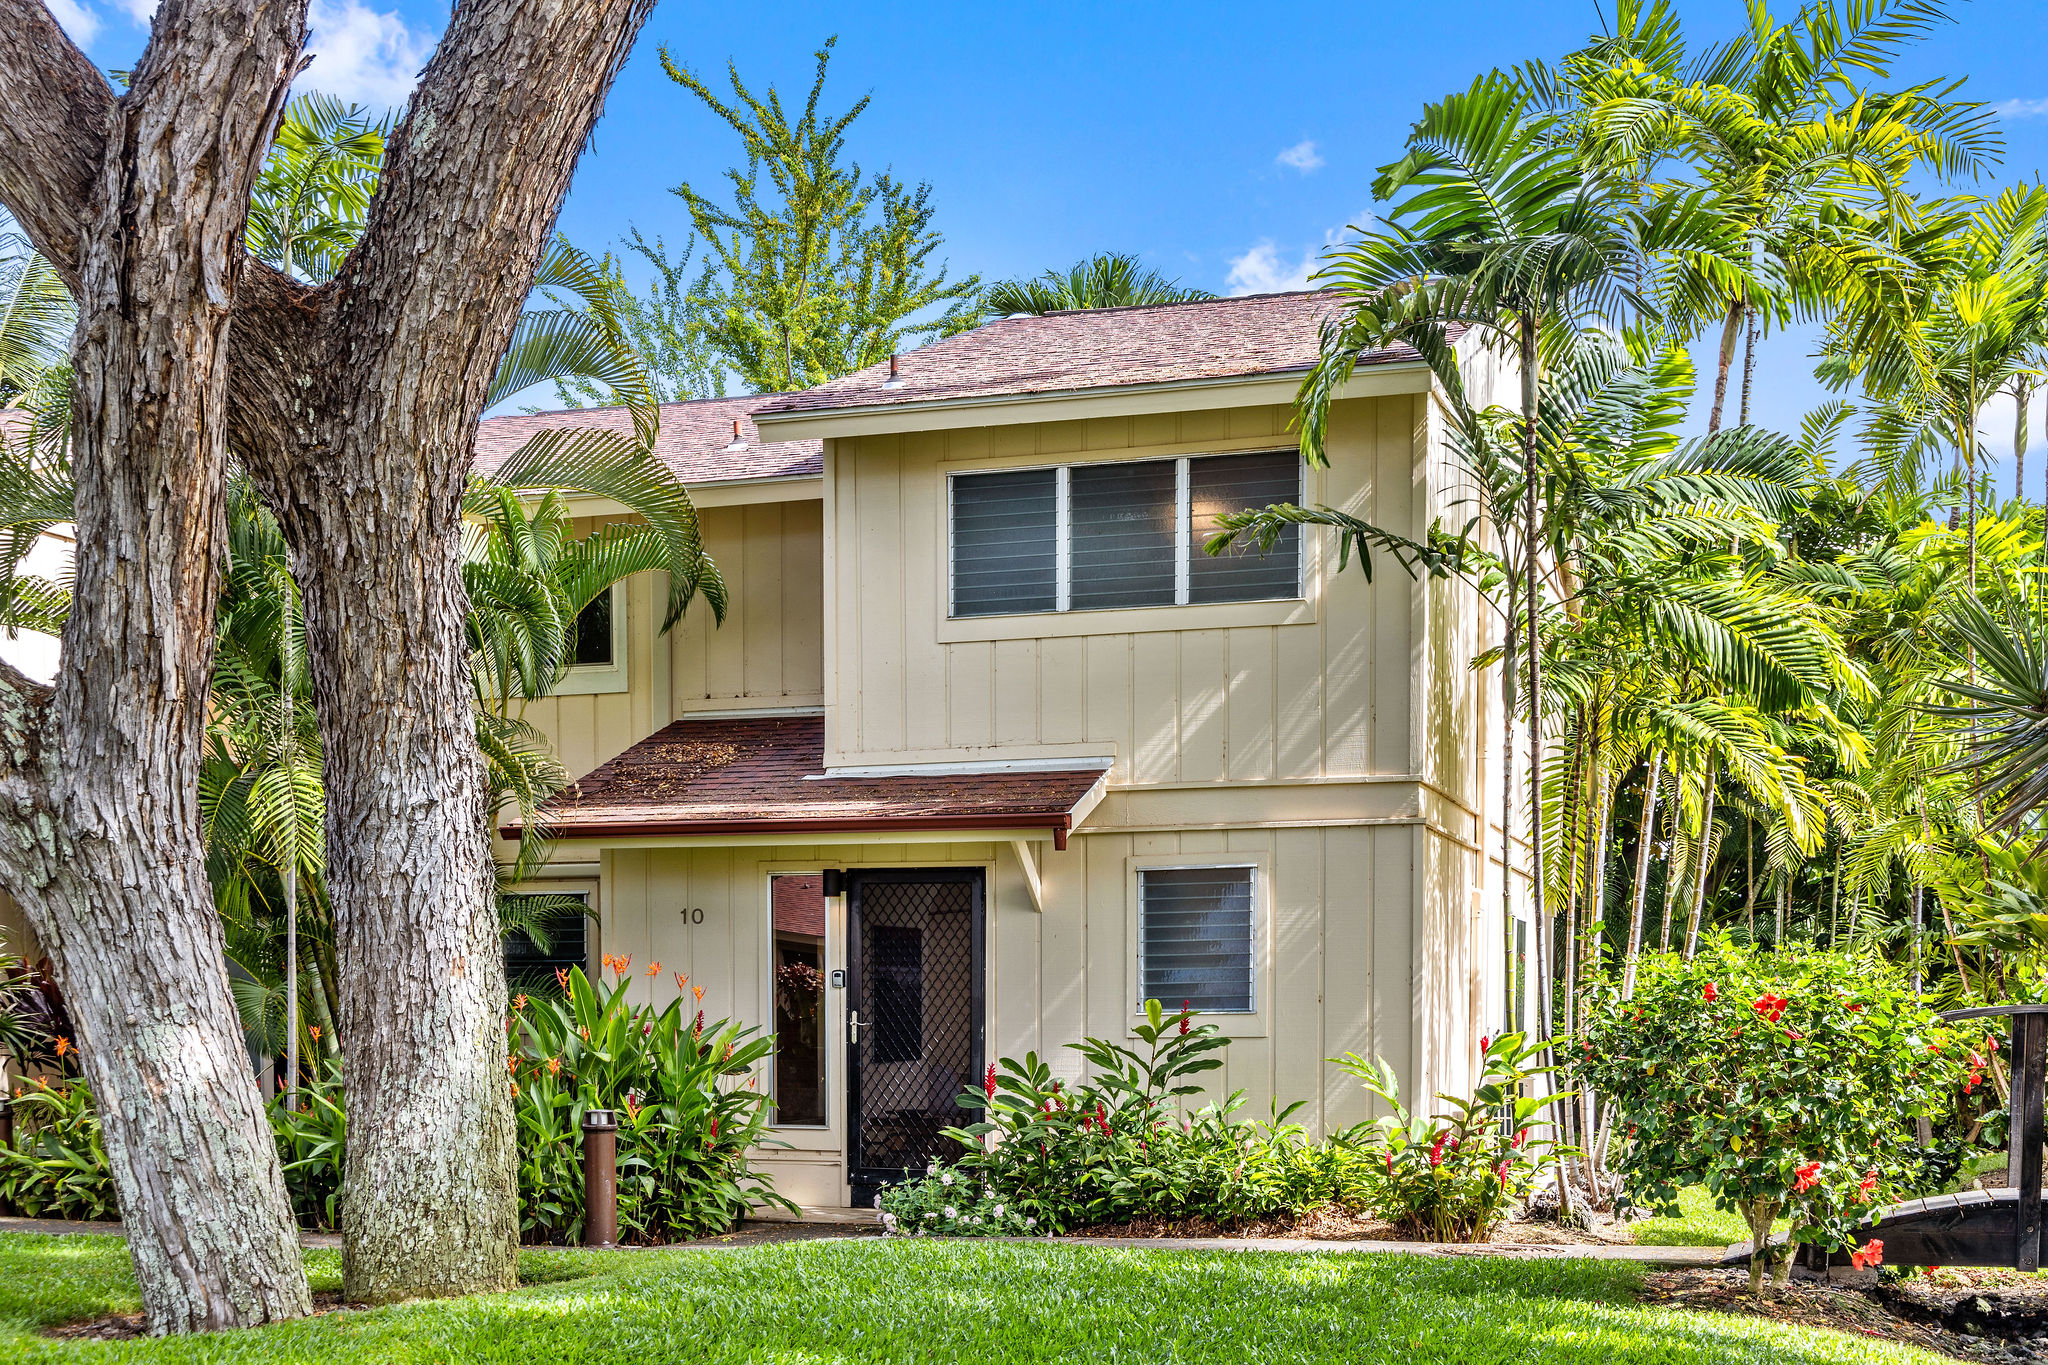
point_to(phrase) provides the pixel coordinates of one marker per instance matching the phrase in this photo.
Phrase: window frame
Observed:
(1253, 1023)
(1184, 548)
(616, 676)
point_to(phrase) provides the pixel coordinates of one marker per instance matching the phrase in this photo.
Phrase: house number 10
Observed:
(693, 916)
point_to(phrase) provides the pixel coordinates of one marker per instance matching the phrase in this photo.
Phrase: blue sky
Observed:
(1226, 145)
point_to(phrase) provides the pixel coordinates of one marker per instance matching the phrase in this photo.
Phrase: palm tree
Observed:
(1110, 280)
(1803, 165)
(1975, 321)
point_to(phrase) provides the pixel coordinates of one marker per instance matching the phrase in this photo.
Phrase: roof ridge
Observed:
(1144, 308)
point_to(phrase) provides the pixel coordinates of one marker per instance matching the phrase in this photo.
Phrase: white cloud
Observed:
(1263, 270)
(2023, 108)
(78, 21)
(141, 11)
(362, 55)
(1302, 156)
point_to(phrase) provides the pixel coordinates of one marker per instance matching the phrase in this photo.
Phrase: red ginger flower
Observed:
(1183, 1018)
(1520, 1138)
(1436, 1149)
(1808, 1176)
(1710, 993)
(1869, 1255)
(988, 1083)
(1501, 1171)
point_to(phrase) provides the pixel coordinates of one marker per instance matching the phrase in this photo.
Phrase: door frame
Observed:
(866, 1182)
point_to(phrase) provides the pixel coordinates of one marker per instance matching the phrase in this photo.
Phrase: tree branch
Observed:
(54, 137)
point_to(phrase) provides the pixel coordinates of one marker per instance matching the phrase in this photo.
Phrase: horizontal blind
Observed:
(1221, 484)
(1122, 531)
(1005, 552)
(1196, 937)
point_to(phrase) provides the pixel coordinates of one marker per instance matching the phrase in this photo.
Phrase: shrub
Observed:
(686, 1123)
(1451, 1177)
(1119, 1146)
(311, 1129)
(56, 1166)
(685, 1120)
(948, 1203)
(1787, 1082)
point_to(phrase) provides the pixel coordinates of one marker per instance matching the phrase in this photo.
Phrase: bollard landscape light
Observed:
(600, 1178)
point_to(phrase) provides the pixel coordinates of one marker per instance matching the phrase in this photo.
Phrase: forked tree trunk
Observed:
(370, 500)
(354, 405)
(100, 838)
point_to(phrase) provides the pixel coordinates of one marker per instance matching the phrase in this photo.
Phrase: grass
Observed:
(820, 1302)
(1698, 1224)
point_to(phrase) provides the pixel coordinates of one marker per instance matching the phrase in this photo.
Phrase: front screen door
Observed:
(914, 1016)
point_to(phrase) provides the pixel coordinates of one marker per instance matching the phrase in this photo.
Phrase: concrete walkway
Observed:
(1514, 1251)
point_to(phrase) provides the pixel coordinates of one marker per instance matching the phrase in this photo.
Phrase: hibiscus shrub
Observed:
(1121, 1146)
(1789, 1082)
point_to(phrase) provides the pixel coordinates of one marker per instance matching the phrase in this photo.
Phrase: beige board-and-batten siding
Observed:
(1241, 692)
(769, 652)
(1345, 963)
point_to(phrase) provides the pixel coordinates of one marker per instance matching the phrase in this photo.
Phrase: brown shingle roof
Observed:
(760, 775)
(692, 440)
(1093, 349)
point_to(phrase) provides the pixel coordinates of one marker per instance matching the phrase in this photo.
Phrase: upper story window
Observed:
(591, 636)
(1094, 537)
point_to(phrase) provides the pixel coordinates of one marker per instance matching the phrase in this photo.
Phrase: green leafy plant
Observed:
(1121, 1145)
(1787, 1082)
(687, 1097)
(1452, 1176)
(311, 1128)
(56, 1166)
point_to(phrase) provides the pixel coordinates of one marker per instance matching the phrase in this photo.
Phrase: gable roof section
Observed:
(1087, 349)
(693, 439)
(745, 775)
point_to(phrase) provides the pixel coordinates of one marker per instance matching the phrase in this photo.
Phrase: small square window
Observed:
(591, 635)
(1196, 937)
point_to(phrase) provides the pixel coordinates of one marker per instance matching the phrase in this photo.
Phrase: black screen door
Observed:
(915, 988)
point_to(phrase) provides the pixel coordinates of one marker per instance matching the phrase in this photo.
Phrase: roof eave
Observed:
(1056, 823)
(1058, 405)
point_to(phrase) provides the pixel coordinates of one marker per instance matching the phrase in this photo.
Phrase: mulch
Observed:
(127, 1326)
(1917, 1310)
(1334, 1224)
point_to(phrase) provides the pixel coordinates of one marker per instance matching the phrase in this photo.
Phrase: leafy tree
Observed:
(662, 326)
(815, 270)
(1110, 280)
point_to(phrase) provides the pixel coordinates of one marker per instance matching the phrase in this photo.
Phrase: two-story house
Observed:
(988, 751)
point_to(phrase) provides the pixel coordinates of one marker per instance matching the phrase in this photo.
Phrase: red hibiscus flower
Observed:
(1870, 1254)
(1710, 993)
(1808, 1176)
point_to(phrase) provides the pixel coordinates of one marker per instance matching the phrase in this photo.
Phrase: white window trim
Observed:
(582, 680)
(1252, 1024)
(1063, 547)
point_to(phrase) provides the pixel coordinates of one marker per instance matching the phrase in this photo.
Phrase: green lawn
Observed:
(1698, 1224)
(951, 1301)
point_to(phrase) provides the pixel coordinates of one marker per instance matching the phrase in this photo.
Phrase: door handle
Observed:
(853, 1026)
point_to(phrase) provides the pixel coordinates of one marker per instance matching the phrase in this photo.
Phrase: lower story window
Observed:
(1196, 928)
(552, 935)
(797, 914)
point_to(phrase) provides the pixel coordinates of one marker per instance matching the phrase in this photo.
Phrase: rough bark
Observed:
(370, 500)
(141, 202)
(354, 404)
(1731, 331)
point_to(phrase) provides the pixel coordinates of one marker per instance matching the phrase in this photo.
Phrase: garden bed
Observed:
(1332, 1224)
(1974, 1315)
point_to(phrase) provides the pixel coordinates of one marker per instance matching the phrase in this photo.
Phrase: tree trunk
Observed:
(1748, 367)
(1512, 1022)
(370, 500)
(1703, 857)
(99, 780)
(1731, 331)
(1642, 893)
